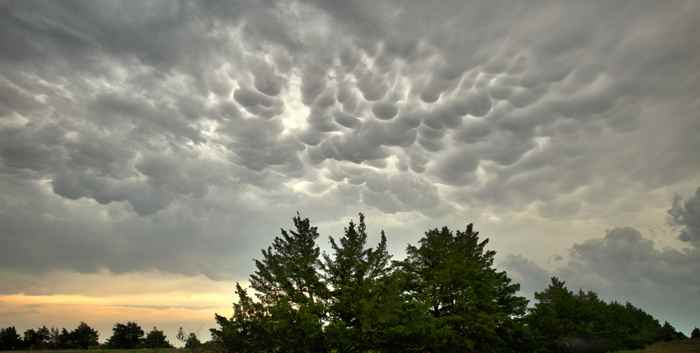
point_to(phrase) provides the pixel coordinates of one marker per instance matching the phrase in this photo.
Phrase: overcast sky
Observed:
(150, 149)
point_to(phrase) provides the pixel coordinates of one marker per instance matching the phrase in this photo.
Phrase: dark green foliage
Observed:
(65, 340)
(156, 339)
(43, 338)
(476, 306)
(668, 333)
(37, 339)
(446, 296)
(289, 311)
(566, 321)
(246, 329)
(126, 336)
(9, 339)
(192, 342)
(695, 334)
(288, 269)
(364, 298)
(84, 336)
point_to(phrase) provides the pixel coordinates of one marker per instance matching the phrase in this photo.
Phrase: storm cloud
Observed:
(624, 263)
(178, 136)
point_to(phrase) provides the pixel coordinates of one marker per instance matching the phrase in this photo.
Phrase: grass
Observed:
(684, 346)
(99, 350)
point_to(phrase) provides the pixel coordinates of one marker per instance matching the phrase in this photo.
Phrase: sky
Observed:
(150, 149)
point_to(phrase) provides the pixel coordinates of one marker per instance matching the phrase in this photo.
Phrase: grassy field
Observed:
(160, 350)
(685, 346)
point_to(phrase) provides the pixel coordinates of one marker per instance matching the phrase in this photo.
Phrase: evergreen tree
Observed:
(288, 269)
(156, 339)
(695, 334)
(446, 296)
(668, 333)
(476, 306)
(246, 329)
(562, 319)
(290, 297)
(361, 303)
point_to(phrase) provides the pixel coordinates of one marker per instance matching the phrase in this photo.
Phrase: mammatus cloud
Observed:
(179, 136)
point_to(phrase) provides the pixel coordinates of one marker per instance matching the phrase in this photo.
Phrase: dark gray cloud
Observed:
(685, 214)
(626, 264)
(178, 136)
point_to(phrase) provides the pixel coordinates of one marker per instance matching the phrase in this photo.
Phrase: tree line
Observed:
(124, 336)
(445, 296)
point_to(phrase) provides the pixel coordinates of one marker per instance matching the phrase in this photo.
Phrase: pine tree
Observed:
(668, 333)
(290, 297)
(695, 334)
(476, 306)
(360, 305)
(246, 331)
(562, 318)
(288, 269)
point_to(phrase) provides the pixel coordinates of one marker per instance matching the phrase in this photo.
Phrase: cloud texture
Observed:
(178, 136)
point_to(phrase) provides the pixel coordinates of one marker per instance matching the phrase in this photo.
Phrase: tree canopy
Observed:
(445, 296)
(156, 339)
(44, 338)
(562, 319)
(126, 336)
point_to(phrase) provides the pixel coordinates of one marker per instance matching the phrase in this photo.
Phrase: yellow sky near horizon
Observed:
(166, 301)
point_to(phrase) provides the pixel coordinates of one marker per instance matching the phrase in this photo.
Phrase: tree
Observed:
(361, 304)
(562, 320)
(289, 311)
(476, 306)
(84, 336)
(9, 339)
(126, 336)
(695, 334)
(446, 296)
(37, 339)
(288, 269)
(156, 339)
(192, 342)
(246, 329)
(54, 334)
(65, 340)
(668, 333)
